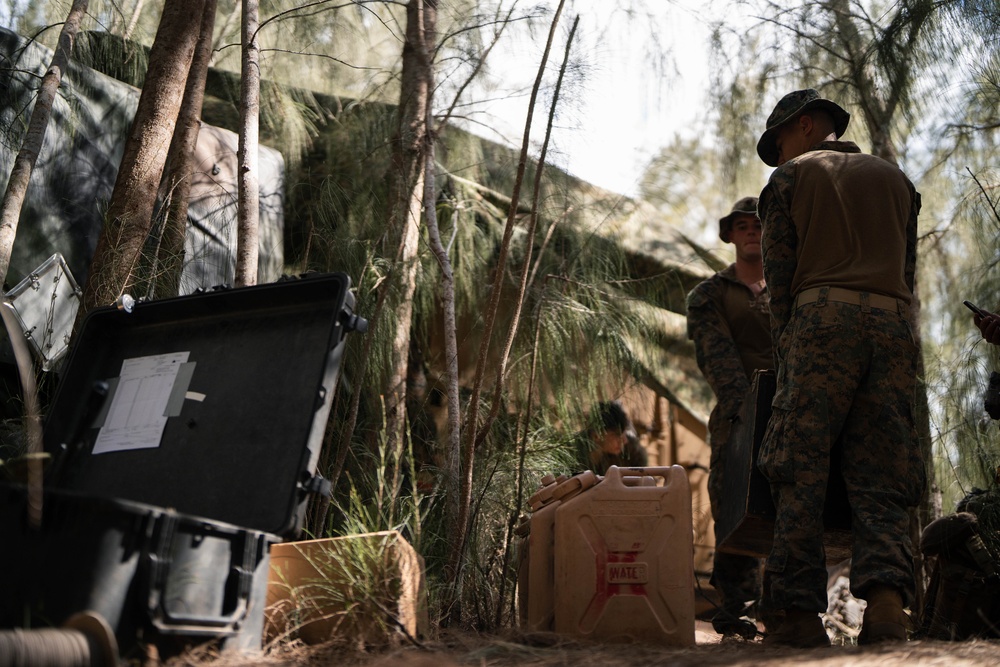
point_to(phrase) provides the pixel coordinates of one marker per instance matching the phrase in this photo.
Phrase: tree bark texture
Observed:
(177, 184)
(130, 211)
(453, 456)
(24, 163)
(404, 201)
(248, 198)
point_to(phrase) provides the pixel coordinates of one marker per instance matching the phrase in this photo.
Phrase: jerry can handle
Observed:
(671, 474)
(574, 485)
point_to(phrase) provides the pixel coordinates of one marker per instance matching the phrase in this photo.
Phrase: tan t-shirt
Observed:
(846, 239)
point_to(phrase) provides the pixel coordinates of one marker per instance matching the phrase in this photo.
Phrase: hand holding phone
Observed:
(988, 323)
(976, 309)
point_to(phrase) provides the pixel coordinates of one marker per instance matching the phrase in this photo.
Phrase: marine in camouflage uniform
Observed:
(839, 249)
(729, 322)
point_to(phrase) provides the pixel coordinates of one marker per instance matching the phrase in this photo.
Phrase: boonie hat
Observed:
(789, 107)
(745, 206)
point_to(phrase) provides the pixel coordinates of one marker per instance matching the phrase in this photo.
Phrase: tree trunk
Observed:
(501, 370)
(130, 211)
(526, 272)
(855, 50)
(134, 20)
(170, 254)
(453, 456)
(24, 163)
(248, 199)
(404, 202)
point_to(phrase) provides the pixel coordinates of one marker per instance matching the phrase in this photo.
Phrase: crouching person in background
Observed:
(609, 440)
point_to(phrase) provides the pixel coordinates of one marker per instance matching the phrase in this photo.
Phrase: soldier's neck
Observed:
(750, 274)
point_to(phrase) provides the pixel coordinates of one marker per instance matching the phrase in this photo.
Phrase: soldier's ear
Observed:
(806, 123)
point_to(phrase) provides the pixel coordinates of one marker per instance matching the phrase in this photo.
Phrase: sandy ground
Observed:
(454, 649)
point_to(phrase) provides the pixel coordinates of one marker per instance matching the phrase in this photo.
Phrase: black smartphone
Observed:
(976, 309)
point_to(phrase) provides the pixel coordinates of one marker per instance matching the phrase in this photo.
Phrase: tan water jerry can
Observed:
(541, 565)
(624, 560)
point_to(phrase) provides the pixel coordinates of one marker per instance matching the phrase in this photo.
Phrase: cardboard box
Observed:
(366, 588)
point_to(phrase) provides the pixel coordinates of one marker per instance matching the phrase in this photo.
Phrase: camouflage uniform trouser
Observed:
(736, 578)
(847, 379)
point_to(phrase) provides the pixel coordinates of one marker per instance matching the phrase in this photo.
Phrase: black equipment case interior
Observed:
(202, 454)
(746, 518)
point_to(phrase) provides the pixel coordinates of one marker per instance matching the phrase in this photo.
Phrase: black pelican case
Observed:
(184, 437)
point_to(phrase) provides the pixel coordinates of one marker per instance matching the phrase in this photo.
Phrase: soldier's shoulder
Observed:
(707, 291)
(780, 185)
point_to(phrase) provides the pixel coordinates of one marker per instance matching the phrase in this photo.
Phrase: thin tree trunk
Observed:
(515, 320)
(530, 235)
(453, 470)
(404, 174)
(170, 255)
(453, 458)
(457, 547)
(24, 163)
(524, 428)
(248, 198)
(130, 212)
(136, 12)
(405, 193)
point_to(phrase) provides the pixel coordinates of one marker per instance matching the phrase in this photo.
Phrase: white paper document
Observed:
(136, 418)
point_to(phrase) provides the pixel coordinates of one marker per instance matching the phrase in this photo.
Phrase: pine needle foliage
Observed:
(960, 253)
(968, 437)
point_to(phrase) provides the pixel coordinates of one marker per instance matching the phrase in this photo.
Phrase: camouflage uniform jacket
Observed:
(730, 328)
(806, 238)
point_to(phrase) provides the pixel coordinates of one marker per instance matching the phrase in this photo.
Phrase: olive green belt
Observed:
(840, 295)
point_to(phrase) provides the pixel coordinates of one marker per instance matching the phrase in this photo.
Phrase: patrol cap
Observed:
(745, 206)
(789, 107)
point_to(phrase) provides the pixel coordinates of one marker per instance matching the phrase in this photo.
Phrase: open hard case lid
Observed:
(216, 402)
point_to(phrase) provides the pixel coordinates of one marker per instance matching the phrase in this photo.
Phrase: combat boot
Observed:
(884, 619)
(734, 623)
(799, 629)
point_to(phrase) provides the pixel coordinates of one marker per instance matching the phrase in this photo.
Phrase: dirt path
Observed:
(454, 649)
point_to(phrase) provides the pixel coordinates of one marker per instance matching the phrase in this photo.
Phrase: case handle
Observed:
(247, 551)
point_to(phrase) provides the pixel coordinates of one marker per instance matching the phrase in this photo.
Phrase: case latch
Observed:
(352, 322)
(317, 484)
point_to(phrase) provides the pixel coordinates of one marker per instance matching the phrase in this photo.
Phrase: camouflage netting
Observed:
(75, 174)
(332, 146)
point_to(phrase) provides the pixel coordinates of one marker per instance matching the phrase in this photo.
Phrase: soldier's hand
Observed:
(989, 326)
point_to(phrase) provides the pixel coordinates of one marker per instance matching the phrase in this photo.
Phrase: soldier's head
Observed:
(800, 120)
(744, 210)
(611, 428)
